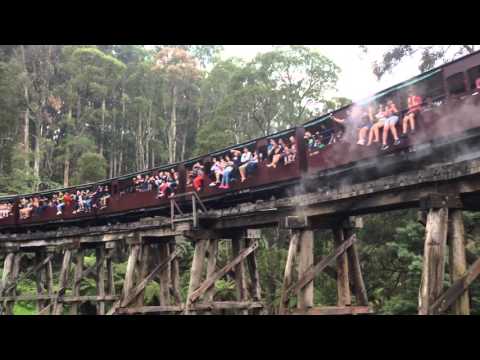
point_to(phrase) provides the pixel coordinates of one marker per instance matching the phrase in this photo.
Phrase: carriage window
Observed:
(474, 77)
(456, 84)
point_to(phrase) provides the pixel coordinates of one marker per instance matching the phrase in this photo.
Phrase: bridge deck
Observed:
(323, 206)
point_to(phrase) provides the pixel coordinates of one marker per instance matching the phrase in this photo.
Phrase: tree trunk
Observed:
(66, 163)
(172, 138)
(102, 128)
(37, 154)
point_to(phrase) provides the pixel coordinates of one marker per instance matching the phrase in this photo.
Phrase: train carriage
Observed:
(450, 106)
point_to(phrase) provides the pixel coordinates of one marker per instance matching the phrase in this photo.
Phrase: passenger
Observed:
(217, 170)
(198, 181)
(391, 119)
(272, 145)
(414, 107)
(366, 123)
(104, 199)
(379, 121)
(244, 161)
(87, 202)
(60, 203)
(26, 209)
(228, 167)
(252, 164)
(278, 153)
(352, 122)
(293, 149)
(477, 83)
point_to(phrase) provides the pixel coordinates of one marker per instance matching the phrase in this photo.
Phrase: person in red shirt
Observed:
(414, 106)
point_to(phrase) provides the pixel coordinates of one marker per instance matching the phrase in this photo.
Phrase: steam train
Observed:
(446, 91)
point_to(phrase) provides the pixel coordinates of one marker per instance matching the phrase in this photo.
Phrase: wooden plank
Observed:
(66, 299)
(312, 272)
(444, 301)
(208, 283)
(289, 267)
(355, 271)
(433, 259)
(62, 282)
(100, 278)
(333, 310)
(216, 305)
(240, 280)
(79, 260)
(344, 297)
(305, 262)
(196, 271)
(11, 289)
(458, 259)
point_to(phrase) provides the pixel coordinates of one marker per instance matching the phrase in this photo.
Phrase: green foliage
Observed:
(91, 167)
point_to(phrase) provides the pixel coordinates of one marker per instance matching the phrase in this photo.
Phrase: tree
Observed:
(180, 72)
(91, 167)
(431, 56)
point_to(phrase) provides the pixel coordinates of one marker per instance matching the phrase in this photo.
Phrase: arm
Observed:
(340, 121)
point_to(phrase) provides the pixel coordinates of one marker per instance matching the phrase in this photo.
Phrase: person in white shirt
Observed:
(244, 160)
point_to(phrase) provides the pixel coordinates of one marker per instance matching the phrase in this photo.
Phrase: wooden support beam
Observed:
(196, 271)
(110, 273)
(255, 290)
(210, 282)
(100, 278)
(289, 268)
(312, 272)
(130, 273)
(433, 259)
(211, 266)
(79, 260)
(459, 287)
(9, 281)
(67, 299)
(62, 282)
(240, 280)
(40, 279)
(164, 273)
(344, 297)
(143, 272)
(305, 262)
(334, 310)
(135, 292)
(355, 271)
(175, 275)
(458, 259)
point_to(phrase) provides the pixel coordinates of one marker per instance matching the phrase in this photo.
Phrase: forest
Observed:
(73, 114)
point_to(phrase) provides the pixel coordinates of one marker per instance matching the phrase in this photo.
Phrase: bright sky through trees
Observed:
(356, 81)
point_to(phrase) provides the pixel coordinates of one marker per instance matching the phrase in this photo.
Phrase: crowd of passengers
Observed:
(81, 201)
(240, 164)
(164, 182)
(370, 124)
(6, 210)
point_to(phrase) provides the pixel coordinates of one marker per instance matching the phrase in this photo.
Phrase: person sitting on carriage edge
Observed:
(391, 119)
(414, 107)
(353, 121)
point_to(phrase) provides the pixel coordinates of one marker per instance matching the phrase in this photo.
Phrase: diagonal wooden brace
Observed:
(141, 286)
(445, 300)
(313, 271)
(207, 284)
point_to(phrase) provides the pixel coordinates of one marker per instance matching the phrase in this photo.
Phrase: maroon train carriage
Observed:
(450, 106)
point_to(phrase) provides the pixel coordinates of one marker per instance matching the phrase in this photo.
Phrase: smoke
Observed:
(452, 120)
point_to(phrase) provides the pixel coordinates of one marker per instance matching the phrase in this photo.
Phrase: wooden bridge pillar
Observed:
(433, 274)
(348, 271)
(458, 259)
(11, 267)
(305, 262)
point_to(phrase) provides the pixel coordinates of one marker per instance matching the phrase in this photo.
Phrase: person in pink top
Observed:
(414, 107)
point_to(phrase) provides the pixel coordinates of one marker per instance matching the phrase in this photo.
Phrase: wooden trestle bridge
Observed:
(440, 191)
